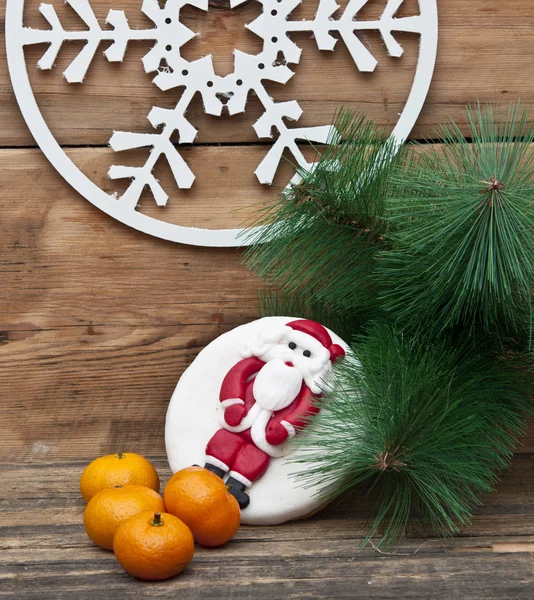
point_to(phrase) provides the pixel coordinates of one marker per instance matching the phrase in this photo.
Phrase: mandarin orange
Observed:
(200, 499)
(113, 470)
(111, 507)
(154, 546)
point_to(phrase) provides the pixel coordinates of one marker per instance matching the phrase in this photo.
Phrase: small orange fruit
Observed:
(115, 470)
(154, 546)
(111, 507)
(200, 499)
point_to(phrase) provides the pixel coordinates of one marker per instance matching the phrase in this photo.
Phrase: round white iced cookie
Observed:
(237, 406)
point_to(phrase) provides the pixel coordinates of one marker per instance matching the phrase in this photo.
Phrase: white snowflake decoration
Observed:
(251, 74)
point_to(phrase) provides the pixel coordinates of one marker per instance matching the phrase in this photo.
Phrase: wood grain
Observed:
(45, 552)
(485, 54)
(226, 193)
(98, 321)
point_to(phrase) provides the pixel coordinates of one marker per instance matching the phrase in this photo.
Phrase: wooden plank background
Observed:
(98, 321)
(46, 554)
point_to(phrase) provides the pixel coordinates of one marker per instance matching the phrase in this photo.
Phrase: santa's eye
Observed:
(307, 353)
(292, 345)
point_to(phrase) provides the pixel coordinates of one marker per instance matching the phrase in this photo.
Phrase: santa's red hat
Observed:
(318, 332)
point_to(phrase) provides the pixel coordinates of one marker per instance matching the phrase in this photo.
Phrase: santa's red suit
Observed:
(254, 425)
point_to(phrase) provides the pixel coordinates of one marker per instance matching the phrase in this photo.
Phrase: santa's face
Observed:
(294, 355)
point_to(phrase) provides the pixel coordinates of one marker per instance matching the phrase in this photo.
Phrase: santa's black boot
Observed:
(217, 470)
(237, 489)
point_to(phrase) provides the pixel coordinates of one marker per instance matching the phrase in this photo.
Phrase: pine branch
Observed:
(435, 253)
(462, 219)
(427, 425)
(321, 240)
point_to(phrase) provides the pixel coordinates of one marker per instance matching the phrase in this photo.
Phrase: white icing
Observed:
(237, 476)
(270, 347)
(276, 385)
(290, 429)
(245, 424)
(194, 416)
(217, 463)
(257, 432)
(231, 402)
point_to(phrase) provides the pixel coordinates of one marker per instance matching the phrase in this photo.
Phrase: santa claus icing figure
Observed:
(266, 398)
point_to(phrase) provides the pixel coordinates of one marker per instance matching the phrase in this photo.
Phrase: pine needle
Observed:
(321, 240)
(429, 425)
(427, 261)
(462, 232)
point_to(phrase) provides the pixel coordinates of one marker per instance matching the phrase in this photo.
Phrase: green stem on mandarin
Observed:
(157, 521)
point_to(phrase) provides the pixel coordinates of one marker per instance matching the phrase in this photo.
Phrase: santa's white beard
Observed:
(277, 385)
